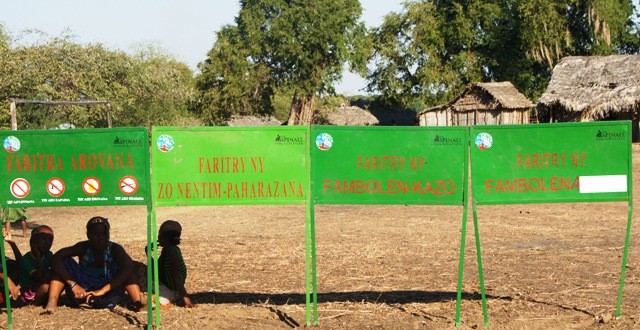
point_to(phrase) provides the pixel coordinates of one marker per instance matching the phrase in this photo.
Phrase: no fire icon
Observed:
(91, 186)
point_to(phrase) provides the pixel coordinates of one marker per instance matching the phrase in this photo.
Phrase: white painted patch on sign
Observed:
(593, 184)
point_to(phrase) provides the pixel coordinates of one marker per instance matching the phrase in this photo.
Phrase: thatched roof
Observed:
(253, 121)
(487, 96)
(348, 116)
(595, 85)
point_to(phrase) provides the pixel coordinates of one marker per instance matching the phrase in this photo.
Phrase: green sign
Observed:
(545, 163)
(389, 165)
(84, 167)
(230, 165)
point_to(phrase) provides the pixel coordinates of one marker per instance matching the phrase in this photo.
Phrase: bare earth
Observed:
(549, 266)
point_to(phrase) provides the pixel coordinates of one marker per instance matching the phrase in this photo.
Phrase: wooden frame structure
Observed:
(13, 110)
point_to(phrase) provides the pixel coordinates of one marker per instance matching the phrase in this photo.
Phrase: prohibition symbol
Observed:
(20, 188)
(91, 186)
(128, 185)
(55, 187)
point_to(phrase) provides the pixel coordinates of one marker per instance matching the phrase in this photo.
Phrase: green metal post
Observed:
(480, 271)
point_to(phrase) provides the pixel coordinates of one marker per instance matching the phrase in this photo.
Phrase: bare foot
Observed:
(48, 311)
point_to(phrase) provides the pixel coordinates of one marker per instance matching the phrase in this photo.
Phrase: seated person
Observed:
(35, 267)
(100, 277)
(172, 270)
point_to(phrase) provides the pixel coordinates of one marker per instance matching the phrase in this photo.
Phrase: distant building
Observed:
(494, 103)
(592, 88)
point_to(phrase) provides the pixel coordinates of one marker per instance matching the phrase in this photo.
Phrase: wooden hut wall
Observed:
(491, 117)
(436, 118)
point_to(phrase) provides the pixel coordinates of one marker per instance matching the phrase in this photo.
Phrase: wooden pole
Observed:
(12, 112)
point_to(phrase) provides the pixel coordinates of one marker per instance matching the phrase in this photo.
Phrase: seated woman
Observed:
(101, 276)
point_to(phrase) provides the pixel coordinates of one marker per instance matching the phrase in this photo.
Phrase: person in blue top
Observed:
(35, 267)
(102, 273)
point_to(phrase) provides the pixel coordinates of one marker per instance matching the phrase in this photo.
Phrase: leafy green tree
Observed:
(432, 49)
(146, 89)
(282, 46)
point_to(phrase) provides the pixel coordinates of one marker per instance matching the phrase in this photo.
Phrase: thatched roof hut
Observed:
(589, 88)
(347, 116)
(253, 121)
(481, 104)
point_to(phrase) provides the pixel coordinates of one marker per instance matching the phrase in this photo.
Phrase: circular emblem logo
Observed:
(484, 141)
(324, 141)
(11, 144)
(165, 143)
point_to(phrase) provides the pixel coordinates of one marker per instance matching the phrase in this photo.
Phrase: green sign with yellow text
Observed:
(389, 165)
(548, 163)
(83, 167)
(230, 165)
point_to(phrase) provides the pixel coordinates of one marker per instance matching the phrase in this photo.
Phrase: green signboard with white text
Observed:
(230, 165)
(549, 163)
(389, 165)
(86, 167)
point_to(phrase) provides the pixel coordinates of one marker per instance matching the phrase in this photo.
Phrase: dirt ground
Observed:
(550, 266)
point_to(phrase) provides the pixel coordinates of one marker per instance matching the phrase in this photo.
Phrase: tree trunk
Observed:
(301, 112)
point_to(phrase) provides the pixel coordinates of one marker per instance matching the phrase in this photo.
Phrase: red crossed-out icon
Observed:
(55, 187)
(128, 185)
(20, 188)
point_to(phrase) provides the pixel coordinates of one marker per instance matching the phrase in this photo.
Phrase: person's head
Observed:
(41, 238)
(98, 232)
(169, 233)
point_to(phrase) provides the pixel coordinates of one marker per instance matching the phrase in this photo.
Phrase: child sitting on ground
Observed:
(35, 267)
(172, 271)
(98, 278)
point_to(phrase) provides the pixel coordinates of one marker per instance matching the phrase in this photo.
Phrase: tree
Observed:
(291, 46)
(432, 49)
(147, 89)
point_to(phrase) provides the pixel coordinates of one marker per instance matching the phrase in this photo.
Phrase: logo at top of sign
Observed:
(91, 186)
(165, 142)
(11, 144)
(484, 141)
(324, 141)
(128, 185)
(20, 188)
(55, 187)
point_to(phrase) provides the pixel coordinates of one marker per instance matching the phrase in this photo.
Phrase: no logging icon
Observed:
(20, 188)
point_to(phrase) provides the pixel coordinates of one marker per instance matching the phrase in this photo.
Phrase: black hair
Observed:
(171, 231)
(98, 220)
(37, 230)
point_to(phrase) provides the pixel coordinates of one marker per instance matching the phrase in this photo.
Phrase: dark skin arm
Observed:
(16, 251)
(126, 270)
(42, 274)
(57, 265)
(174, 262)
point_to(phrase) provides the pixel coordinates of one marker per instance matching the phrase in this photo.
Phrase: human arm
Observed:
(14, 247)
(14, 290)
(57, 266)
